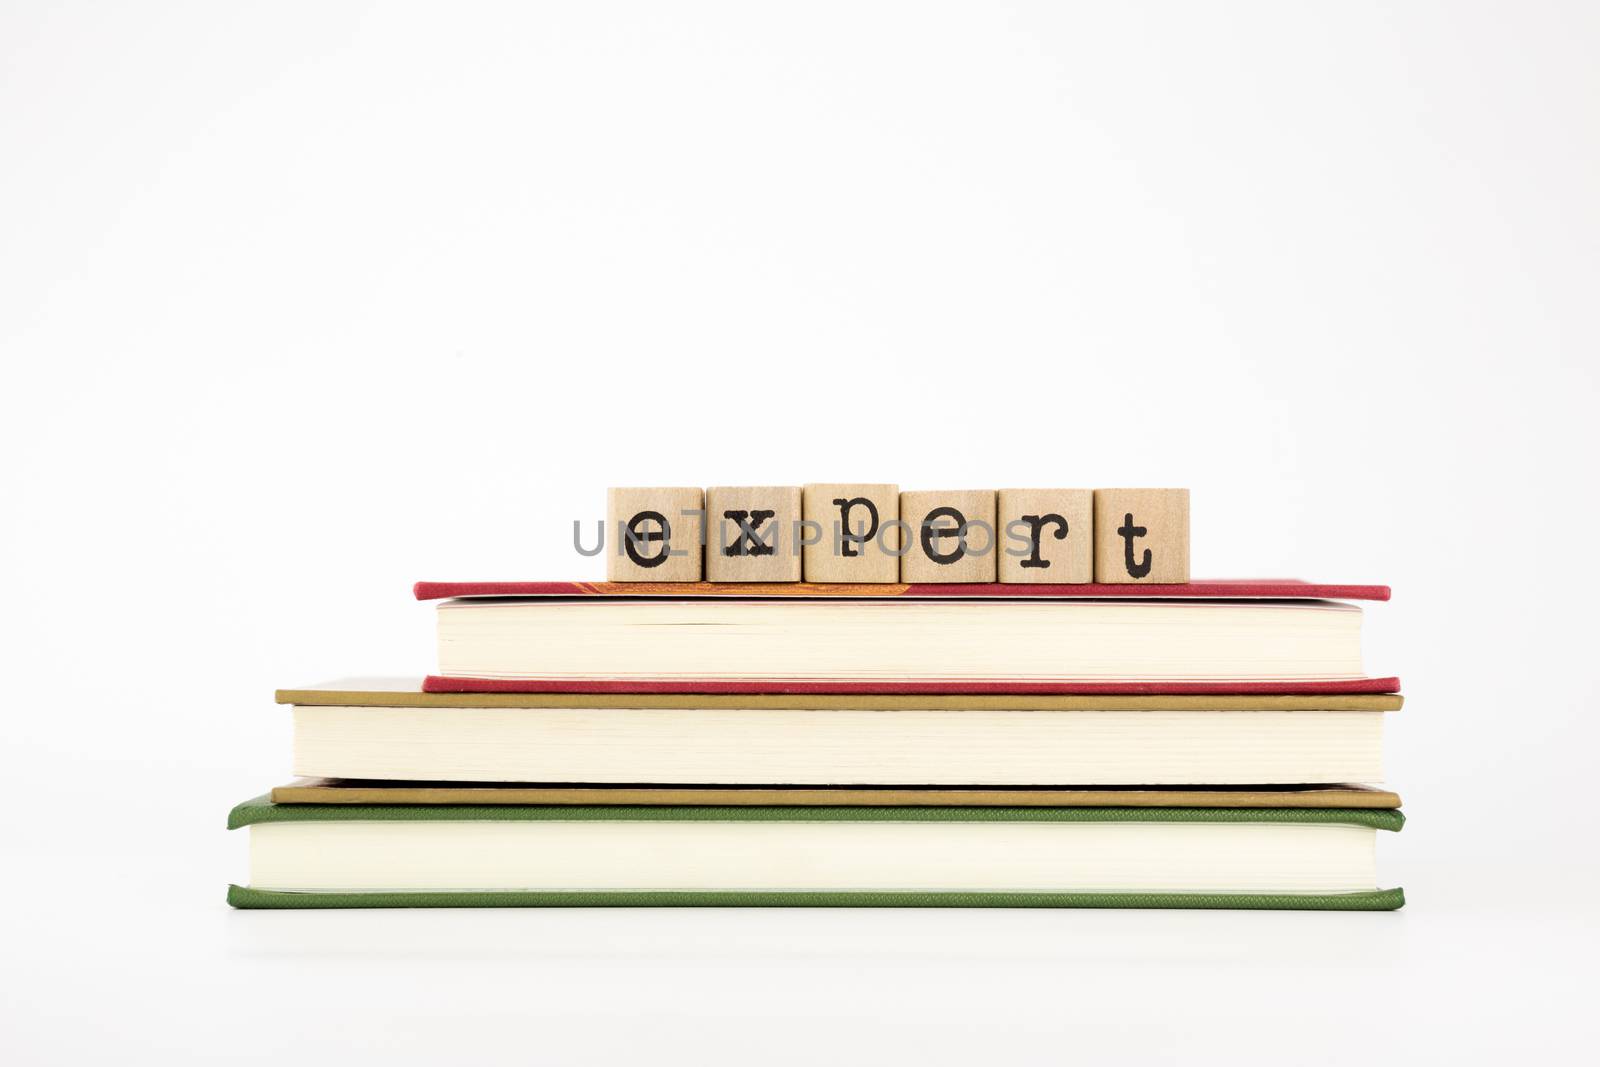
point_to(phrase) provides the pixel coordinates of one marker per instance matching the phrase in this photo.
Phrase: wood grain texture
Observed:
(1157, 556)
(347, 791)
(763, 549)
(665, 553)
(1046, 536)
(859, 532)
(934, 549)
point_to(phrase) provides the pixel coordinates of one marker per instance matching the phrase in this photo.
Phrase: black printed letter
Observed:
(634, 538)
(929, 533)
(749, 543)
(1036, 525)
(849, 539)
(1129, 531)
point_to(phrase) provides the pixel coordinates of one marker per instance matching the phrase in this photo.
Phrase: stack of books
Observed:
(1193, 744)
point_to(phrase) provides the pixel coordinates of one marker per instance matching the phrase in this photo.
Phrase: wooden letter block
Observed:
(852, 533)
(754, 530)
(658, 533)
(1141, 536)
(936, 551)
(1046, 535)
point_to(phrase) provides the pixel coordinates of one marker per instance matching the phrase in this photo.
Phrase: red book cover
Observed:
(1213, 589)
(909, 687)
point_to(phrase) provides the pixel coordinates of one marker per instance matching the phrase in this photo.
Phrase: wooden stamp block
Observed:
(658, 534)
(935, 549)
(1046, 535)
(754, 531)
(1141, 536)
(852, 533)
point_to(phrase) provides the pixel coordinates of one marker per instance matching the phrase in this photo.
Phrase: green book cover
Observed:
(261, 810)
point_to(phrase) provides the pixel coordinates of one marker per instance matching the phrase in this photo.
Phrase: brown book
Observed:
(408, 693)
(391, 731)
(343, 791)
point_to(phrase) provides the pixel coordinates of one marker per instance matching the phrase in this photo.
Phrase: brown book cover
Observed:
(408, 693)
(346, 791)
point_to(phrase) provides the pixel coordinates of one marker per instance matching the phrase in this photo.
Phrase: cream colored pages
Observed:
(777, 856)
(773, 746)
(1080, 640)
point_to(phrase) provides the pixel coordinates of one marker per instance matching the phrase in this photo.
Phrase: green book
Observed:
(388, 856)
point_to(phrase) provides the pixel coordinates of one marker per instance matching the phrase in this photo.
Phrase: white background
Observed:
(301, 302)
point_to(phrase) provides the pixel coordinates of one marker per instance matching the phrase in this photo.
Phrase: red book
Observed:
(1211, 589)
(1269, 636)
(435, 683)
